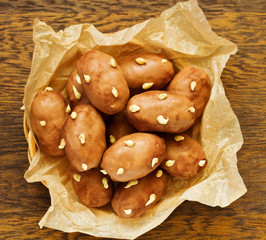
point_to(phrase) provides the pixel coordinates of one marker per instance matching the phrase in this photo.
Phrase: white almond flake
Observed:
(129, 143)
(105, 182)
(43, 123)
(87, 78)
(162, 120)
(134, 108)
(77, 177)
(82, 138)
(179, 138)
(112, 139)
(103, 171)
(78, 79)
(84, 166)
(202, 163)
(140, 60)
(68, 109)
(193, 85)
(169, 163)
(162, 96)
(62, 144)
(146, 86)
(73, 115)
(120, 171)
(132, 183)
(113, 63)
(164, 61)
(76, 93)
(128, 211)
(191, 109)
(49, 89)
(114, 92)
(151, 200)
(159, 173)
(154, 161)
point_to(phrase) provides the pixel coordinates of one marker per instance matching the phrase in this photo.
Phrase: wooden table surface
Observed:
(22, 205)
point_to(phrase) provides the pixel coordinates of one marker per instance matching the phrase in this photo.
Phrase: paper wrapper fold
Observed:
(184, 35)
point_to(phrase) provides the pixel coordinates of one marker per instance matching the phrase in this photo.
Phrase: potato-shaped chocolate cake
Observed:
(75, 91)
(84, 137)
(133, 156)
(160, 111)
(184, 156)
(93, 188)
(48, 115)
(146, 70)
(118, 127)
(103, 81)
(132, 199)
(194, 84)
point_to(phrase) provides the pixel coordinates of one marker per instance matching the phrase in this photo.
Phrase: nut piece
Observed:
(78, 79)
(134, 108)
(62, 144)
(159, 173)
(114, 92)
(73, 115)
(202, 163)
(87, 78)
(179, 138)
(140, 61)
(154, 161)
(77, 177)
(193, 85)
(147, 85)
(112, 139)
(82, 138)
(169, 163)
(76, 93)
(162, 120)
(113, 63)
(43, 123)
(84, 166)
(49, 89)
(105, 182)
(164, 61)
(129, 143)
(191, 109)
(68, 109)
(132, 183)
(103, 171)
(128, 211)
(162, 96)
(151, 200)
(120, 171)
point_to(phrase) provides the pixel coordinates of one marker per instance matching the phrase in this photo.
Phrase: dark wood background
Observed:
(22, 205)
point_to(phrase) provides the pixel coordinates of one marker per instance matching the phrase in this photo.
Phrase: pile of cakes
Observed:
(122, 128)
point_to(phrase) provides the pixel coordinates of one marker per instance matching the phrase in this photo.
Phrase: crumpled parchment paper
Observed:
(184, 35)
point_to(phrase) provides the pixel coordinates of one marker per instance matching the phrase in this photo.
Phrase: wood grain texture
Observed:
(22, 205)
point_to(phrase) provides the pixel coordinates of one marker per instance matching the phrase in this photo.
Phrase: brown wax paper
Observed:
(184, 35)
